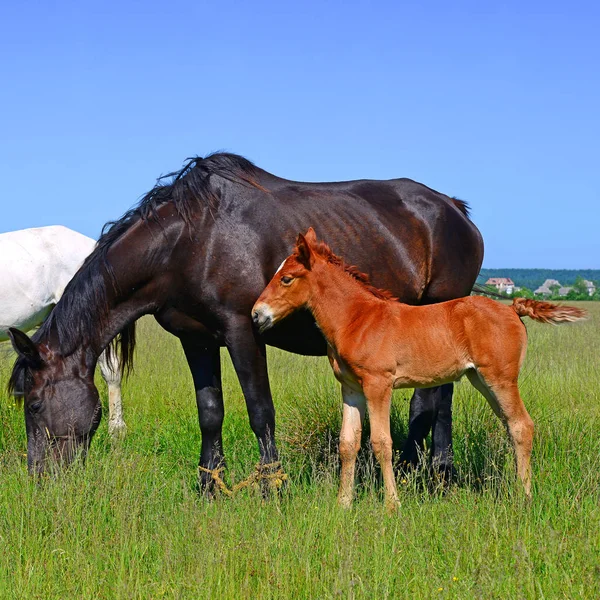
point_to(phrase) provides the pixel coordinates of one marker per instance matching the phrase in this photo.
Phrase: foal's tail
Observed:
(547, 312)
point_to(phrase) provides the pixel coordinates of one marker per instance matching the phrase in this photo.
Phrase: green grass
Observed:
(131, 525)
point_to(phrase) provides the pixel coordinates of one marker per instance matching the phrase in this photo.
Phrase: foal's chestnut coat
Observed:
(377, 344)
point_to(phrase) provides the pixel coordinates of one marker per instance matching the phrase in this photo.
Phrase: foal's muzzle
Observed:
(262, 317)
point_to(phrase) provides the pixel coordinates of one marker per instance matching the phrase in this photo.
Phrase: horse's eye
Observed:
(286, 280)
(35, 406)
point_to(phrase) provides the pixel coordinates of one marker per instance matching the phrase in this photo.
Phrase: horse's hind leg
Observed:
(506, 402)
(419, 425)
(354, 413)
(431, 410)
(111, 372)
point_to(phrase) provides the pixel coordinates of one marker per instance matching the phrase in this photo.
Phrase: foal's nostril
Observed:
(255, 316)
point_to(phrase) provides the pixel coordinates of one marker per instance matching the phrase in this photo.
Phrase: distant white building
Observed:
(544, 289)
(591, 288)
(502, 284)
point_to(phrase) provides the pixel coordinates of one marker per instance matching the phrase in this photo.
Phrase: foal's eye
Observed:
(286, 280)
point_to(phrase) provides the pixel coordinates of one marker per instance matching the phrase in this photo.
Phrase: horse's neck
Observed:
(96, 307)
(338, 301)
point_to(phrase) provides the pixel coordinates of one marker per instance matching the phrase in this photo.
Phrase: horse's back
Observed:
(35, 266)
(410, 238)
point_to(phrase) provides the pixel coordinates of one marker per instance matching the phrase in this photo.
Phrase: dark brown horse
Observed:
(196, 253)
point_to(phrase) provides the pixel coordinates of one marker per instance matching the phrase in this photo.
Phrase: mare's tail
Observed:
(547, 312)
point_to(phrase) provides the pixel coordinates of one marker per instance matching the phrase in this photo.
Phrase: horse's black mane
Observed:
(187, 188)
(84, 305)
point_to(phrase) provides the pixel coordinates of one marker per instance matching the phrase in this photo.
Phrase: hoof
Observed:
(273, 480)
(345, 502)
(210, 482)
(443, 474)
(117, 429)
(411, 457)
(206, 489)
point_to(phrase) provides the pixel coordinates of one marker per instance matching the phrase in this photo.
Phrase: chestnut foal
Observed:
(377, 344)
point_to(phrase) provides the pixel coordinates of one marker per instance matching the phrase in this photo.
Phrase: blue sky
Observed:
(496, 103)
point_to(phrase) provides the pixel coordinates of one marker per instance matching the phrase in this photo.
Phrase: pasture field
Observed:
(130, 524)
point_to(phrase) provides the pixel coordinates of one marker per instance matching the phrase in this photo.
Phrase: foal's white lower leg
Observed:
(111, 372)
(354, 412)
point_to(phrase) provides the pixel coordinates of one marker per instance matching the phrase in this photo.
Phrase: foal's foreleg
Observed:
(350, 435)
(379, 399)
(111, 372)
(506, 402)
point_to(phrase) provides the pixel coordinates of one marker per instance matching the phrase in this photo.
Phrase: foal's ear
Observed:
(310, 236)
(24, 347)
(305, 255)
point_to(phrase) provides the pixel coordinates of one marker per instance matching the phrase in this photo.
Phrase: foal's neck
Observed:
(338, 301)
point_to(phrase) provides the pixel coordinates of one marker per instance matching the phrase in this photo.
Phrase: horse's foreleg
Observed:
(354, 413)
(111, 372)
(205, 365)
(248, 354)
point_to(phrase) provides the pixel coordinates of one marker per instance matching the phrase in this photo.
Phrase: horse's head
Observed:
(62, 407)
(289, 289)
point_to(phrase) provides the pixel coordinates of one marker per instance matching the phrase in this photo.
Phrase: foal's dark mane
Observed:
(324, 251)
(84, 305)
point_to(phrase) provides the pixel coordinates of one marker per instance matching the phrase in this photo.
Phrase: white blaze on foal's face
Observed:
(280, 266)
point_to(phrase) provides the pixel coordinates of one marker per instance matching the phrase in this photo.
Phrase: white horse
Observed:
(35, 267)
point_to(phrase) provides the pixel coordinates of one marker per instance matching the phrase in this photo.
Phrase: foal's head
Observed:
(290, 287)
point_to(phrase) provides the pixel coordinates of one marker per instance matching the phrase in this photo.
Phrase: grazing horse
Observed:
(196, 253)
(377, 344)
(35, 267)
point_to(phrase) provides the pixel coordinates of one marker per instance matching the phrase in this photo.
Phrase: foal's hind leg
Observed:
(506, 402)
(354, 413)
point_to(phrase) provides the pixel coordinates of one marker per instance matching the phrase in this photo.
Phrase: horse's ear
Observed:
(311, 236)
(25, 347)
(305, 255)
